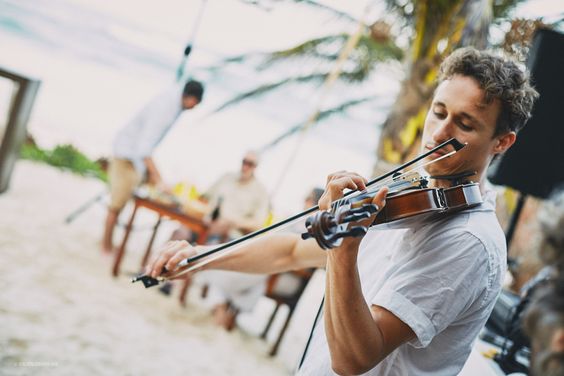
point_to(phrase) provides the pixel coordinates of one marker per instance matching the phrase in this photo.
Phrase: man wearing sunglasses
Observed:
(241, 206)
(240, 200)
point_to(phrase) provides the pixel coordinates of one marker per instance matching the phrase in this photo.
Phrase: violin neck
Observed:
(414, 181)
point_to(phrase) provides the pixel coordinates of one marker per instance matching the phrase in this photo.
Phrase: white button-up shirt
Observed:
(441, 278)
(137, 140)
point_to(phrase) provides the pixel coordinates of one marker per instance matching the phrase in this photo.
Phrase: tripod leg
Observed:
(72, 216)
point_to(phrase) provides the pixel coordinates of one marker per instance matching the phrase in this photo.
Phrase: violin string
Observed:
(418, 166)
(391, 179)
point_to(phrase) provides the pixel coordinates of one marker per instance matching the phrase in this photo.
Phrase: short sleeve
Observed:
(432, 289)
(148, 135)
(262, 205)
(215, 190)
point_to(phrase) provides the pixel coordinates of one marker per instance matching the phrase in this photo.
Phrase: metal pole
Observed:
(514, 219)
(189, 45)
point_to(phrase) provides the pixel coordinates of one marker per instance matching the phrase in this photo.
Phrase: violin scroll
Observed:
(329, 228)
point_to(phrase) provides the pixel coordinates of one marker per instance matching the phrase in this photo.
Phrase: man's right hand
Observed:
(169, 255)
(221, 227)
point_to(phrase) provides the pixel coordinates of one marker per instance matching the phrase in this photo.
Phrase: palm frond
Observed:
(373, 51)
(237, 59)
(266, 88)
(325, 114)
(336, 12)
(311, 47)
(364, 56)
(364, 59)
(322, 115)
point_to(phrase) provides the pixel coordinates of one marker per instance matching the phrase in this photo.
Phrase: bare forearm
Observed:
(246, 224)
(152, 171)
(355, 341)
(271, 254)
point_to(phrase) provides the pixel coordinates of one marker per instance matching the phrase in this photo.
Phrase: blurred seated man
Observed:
(241, 206)
(240, 203)
(288, 283)
(232, 292)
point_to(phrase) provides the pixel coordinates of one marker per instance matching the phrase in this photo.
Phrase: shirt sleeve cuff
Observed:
(409, 313)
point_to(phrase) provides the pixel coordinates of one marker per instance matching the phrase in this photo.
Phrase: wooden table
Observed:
(163, 210)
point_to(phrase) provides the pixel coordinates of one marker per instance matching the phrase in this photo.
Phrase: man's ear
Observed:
(504, 142)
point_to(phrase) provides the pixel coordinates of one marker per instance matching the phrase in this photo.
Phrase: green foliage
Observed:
(65, 157)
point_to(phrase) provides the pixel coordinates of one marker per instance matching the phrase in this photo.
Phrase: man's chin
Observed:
(440, 170)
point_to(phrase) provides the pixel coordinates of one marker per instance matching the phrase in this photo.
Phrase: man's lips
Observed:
(439, 152)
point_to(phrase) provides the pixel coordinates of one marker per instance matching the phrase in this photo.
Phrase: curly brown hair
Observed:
(499, 78)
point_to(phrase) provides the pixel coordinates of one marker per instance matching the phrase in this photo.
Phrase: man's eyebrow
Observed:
(467, 115)
(463, 114)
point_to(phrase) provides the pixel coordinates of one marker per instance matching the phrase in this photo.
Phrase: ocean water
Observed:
(100, 62)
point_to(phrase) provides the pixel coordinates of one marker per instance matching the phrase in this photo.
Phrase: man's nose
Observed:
(443, 131)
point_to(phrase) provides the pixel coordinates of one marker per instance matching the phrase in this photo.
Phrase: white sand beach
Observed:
(61, 312)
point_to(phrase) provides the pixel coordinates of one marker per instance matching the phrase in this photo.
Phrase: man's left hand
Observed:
(336, 184)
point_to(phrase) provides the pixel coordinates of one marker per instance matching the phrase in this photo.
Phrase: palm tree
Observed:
(434, 28)
(437, 28)
(320, 53)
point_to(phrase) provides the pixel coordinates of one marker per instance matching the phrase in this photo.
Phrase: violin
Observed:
(406, 198)
(409, 196)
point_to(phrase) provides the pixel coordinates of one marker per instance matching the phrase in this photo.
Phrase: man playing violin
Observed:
(410, 297)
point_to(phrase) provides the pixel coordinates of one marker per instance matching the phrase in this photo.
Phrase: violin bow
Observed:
(184, 266)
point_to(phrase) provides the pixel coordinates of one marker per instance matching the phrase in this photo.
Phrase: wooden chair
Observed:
(274, 292)
(288, 298)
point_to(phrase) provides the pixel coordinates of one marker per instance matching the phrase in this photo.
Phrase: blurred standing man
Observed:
(132, 162)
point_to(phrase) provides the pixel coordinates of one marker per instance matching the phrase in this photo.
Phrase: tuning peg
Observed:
(355, 232)
(306, 235)
(356, 214)
(366, 208)
(354, 217)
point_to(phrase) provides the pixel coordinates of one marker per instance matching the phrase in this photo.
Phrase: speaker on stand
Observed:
(534, 165)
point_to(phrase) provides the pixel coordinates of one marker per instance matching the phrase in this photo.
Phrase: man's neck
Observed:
(244, 180)
(450, 182)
